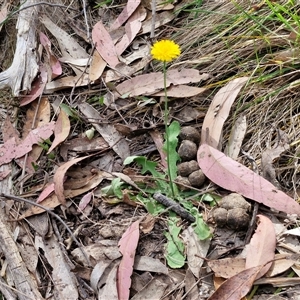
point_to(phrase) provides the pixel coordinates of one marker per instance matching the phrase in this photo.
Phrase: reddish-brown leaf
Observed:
(37, 87)
(236, 287)
(11, 150)
(261, 248)
(53, 61)
(235, 177)
(127, 246)
(104, 44)
(128, 10)
(61, 131)
(46, 192)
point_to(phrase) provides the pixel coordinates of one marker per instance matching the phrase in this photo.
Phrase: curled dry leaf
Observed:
(59, 176)
(261, 248)
(61, 131)
(233, 176)
(37, 87)
(218, 111)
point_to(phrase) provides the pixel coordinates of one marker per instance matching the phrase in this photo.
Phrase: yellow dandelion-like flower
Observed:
(165, 50)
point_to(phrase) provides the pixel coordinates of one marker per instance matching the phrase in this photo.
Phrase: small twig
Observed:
(50, 212)
(172, 205)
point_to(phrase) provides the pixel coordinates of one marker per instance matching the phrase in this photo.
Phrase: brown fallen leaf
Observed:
(180, 91)
(67, 82)
(53, 62)
(160, 19)
(61, 131)
(127, 11)
(261, 248)
(59, 176)
(127, 246)
(97, 66)
(270, 154)
(37, 87)
(282, 262)
(132, 28)
(237, 286)
(227, 267)
(235, 177)
(218, 111)
(68, 45)
(148, 84)
(11, 150)
(82, 145)
(3, 13)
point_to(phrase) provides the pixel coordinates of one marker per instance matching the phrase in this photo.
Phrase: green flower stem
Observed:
(166, 119)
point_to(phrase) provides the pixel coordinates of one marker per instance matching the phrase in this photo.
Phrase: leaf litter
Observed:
(120, 53)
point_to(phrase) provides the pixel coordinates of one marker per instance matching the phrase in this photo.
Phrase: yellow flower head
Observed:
(165, 50)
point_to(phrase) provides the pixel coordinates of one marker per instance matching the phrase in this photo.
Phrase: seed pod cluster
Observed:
(189, 171)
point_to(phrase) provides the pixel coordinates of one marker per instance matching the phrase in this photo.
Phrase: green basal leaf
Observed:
(114, 189)
(173, 131)
(152, 206)
(69, 111)
(148, 166)
(200, 227)
(175, 247)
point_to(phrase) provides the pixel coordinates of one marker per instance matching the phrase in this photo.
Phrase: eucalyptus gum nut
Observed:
(187, 150)
(188, 167)
(238, 218)
(197, 178)
(190, 133)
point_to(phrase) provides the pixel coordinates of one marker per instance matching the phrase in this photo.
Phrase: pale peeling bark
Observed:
(24, 68)
(23, 281)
